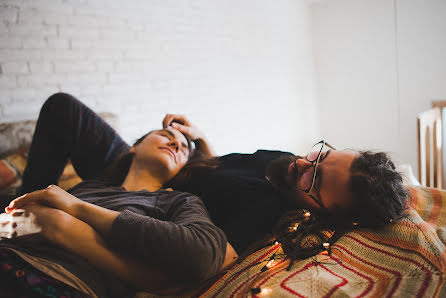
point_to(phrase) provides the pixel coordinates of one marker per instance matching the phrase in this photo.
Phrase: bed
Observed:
(431, 151)
(403, 259)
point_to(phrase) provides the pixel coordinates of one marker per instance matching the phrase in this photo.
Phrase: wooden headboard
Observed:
(430, 146)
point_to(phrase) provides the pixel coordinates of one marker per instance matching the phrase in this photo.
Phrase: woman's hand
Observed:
(33, 219)
(52, 196)
(181, 123)
(18, 223)
(81, 239)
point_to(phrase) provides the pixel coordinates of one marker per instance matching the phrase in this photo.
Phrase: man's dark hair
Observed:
(379, 195)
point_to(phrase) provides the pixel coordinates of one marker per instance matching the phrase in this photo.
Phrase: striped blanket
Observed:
(403, 259)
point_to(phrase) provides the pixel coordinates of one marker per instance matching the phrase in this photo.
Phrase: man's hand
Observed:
(52, 196)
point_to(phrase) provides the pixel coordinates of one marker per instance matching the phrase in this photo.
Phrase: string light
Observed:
(265, 291)
(304, 222)
(269, 264)
(355, 224)
(294, 227)
(261, 291)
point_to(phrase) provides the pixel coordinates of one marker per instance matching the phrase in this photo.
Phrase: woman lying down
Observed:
(104, 240)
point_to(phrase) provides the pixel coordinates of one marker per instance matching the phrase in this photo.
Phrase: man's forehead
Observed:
(343, 156)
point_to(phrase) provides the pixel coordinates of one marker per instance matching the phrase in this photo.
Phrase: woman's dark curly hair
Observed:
(379, 198)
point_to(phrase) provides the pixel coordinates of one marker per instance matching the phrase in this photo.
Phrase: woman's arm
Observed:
(53, 196)
(79, 238)
(188, 244)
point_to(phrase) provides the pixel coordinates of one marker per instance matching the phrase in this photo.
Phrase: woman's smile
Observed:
(171, 153)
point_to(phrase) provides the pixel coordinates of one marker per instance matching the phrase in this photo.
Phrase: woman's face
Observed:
(163, 150)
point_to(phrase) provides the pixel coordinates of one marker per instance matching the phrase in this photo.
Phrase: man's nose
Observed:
(302, 164)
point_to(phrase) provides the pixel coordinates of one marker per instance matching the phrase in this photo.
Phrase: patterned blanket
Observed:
(404, 259)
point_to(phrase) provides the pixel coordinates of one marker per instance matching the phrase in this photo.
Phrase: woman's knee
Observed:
(59, 101)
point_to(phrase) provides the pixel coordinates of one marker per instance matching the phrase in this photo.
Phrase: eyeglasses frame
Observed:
(314, 164)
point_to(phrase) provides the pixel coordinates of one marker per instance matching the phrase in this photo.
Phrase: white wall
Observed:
(378, 64)
(422, 62)
(242, 70)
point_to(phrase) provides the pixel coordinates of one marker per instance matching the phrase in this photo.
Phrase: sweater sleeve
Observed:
(186, 245)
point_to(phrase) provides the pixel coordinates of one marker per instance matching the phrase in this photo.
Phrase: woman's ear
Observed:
(133, 149)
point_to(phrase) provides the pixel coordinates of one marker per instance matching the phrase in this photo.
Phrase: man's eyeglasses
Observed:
(314, 156)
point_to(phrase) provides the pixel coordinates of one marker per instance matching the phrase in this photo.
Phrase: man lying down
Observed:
(123, 228)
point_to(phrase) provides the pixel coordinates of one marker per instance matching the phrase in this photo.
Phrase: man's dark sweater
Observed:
(168, 230)
(239, 198)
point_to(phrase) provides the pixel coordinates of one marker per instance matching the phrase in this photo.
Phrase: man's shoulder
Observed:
(261, 154)
(271, 152)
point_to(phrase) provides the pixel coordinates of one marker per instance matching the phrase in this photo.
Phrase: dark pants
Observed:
(68, 129)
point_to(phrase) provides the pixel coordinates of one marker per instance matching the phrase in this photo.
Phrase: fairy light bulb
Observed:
(307, 214)
(355, 223)
(326, 245)
(265, 291)
(261, 291)
(294, 227)
(269, 264)
(276, 243)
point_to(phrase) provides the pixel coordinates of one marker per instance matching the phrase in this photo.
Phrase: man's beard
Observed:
(277, 171)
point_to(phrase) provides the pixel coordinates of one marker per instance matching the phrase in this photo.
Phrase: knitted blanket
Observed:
(403, 259)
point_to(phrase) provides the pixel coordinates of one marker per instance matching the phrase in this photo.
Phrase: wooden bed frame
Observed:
(430, 146)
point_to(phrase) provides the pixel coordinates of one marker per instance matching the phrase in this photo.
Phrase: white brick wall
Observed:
(241, 69)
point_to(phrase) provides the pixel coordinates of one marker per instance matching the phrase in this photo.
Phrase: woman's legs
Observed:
(68, 129)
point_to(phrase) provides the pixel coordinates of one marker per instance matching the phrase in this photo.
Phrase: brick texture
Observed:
(226, 64)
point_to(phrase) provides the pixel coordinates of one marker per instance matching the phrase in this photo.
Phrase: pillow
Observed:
(12, 167)
(408, 175)
(11, 170)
